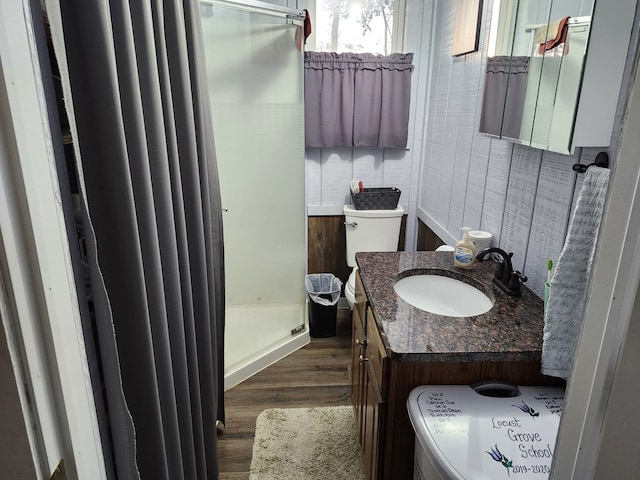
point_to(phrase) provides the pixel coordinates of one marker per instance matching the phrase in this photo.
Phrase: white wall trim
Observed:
(333, 210)
(37, 253)
(438, 229)
(259, 362)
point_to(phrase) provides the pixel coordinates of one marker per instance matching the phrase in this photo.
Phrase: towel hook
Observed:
(602, 160)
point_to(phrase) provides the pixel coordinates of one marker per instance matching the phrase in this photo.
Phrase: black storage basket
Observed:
(376, 199)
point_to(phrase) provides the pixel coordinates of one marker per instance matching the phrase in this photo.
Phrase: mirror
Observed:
(535, 64)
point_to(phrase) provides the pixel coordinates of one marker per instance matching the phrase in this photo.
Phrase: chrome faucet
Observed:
(505, 278)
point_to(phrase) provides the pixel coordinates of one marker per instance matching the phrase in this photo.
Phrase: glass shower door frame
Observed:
(256, 87)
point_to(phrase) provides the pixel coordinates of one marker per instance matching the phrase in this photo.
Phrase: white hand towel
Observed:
(567, 295)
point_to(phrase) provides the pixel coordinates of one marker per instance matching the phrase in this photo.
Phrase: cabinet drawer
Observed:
(375, 349)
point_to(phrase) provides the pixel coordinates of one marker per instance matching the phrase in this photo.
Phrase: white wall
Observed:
(621, 421)
(38, 302)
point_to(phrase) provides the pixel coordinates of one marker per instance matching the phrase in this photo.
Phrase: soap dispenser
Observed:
(464, 254)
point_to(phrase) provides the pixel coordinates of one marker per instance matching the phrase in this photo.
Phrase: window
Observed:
(359, 26)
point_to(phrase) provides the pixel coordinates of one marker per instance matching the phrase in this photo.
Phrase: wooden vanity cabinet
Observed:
(381, 386)
(368, 357)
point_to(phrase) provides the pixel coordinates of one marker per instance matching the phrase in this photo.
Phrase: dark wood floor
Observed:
(316, 375)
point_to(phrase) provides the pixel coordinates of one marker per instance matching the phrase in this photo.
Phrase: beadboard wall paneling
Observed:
(480, 145)
(496, 185)
(329, 171)
(520, 200)
(552, 210)
(522, 195)
(476, 180)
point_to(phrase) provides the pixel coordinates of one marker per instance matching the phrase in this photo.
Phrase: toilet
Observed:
(369, 231)
(466, 433)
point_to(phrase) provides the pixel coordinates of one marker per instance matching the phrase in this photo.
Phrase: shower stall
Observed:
(255, 72)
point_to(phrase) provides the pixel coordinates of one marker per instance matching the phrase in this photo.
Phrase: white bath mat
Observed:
(306, 444)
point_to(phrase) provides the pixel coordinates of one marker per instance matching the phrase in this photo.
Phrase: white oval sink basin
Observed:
(443, 295)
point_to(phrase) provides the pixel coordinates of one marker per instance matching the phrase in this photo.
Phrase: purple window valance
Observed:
(357, 100)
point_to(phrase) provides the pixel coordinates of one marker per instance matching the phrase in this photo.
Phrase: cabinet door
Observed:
(358, 371)
(372, 413)
(376, 354)
(373, 399)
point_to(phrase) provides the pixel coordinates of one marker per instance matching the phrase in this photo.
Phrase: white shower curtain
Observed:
(136, 95)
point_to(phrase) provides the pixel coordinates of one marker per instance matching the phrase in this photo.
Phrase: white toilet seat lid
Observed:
(468, 436)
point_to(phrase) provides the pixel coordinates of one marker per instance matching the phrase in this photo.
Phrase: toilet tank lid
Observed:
(353, 212)
(472, 437)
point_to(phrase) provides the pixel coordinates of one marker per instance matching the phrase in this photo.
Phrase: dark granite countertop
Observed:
(510, 331)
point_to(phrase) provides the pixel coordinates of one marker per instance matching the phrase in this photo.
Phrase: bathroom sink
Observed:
(443, 295)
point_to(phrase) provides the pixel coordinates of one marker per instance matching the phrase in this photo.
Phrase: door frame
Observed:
(612, 296)
(40, 305)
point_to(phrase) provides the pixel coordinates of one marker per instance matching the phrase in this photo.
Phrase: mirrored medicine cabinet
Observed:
(554, 71)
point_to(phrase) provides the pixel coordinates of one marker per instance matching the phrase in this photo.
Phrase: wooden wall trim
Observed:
(427, 239)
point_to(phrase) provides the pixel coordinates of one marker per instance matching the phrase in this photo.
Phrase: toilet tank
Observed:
(371, 231)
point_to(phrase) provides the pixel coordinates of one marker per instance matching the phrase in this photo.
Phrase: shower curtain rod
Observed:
(260, 7)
